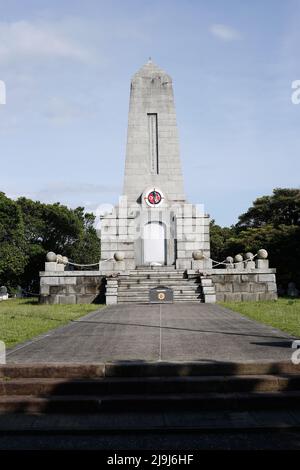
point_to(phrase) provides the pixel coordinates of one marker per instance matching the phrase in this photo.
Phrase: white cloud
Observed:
(40, 39)
(225, 33)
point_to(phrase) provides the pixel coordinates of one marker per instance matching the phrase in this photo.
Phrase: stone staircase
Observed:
(135, 286)
(84, 399)
(81, 388)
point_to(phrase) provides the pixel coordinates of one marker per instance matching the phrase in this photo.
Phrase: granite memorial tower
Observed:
(155, 246)
(153, 223)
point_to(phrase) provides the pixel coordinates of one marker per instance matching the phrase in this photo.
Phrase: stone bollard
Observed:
(55, 262)
(239, 262)
(60, 263)
(229, 262)
(51, 262)
(262, 262)
(200, 261)
(249, 263)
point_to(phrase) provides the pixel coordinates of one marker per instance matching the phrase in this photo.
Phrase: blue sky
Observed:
(67, 66)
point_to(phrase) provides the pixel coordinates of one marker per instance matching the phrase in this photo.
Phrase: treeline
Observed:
(273, 223)
(29, 229)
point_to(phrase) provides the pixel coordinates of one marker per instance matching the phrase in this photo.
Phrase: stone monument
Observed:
(155, 246)
(153, 223)
(3, 293)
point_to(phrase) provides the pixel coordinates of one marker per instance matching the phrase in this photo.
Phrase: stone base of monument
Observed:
(242, 285)
(209, 286)
(72, 287)
(242, 281)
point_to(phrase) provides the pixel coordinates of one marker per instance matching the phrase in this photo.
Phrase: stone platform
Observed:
(192, 285)
(169, 332)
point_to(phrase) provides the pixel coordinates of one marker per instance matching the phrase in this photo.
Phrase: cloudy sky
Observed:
(67, 66)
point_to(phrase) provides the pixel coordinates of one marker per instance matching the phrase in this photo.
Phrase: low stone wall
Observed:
(239, 282)
(242, 285)
(72, 287)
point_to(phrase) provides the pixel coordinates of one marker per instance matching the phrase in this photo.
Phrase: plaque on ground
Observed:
(161, 295)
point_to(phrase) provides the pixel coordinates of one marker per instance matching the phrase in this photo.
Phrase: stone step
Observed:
(152, 276)
(130, 293)
(155, 275)
(147, 369)
(157, 268)
(194, 401)
(145, 285)
(161, 281)
(157, 281)
(176, 289)
(41, 387)
(150, 284)
(145, 288)
(144, 296)
(191, 420)
(146, 301)
(143, 302)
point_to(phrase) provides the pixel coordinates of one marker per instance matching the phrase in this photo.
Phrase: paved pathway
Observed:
(167, 332)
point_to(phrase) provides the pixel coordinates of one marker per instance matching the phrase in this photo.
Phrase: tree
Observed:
(86, 250)
(55, 227)
(272, 222)
(281, 208)
(13, 258)
(220, 241)
(29, 229)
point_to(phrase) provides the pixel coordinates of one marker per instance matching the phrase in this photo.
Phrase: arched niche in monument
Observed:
(154, 243)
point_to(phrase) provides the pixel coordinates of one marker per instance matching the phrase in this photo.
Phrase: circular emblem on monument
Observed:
(161, 296)
(154, 197)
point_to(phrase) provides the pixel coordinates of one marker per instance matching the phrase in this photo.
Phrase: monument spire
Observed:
(152, 155)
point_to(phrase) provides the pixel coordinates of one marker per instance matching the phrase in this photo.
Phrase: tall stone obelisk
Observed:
(153, 224)
(152, 155)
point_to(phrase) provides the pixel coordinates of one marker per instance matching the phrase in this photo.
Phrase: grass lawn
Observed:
(22, 319)
(283, 313)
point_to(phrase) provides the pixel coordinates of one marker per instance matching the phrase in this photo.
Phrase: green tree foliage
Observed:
(52, 226)
(13, 258)
(86, 249)
(281, 208)
(273, 222)
(220, 241)
(29, 229)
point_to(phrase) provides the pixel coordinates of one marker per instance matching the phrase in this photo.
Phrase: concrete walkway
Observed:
(166, 332)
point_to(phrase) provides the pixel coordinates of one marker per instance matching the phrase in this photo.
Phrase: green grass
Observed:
(22, 319)
(283, 314)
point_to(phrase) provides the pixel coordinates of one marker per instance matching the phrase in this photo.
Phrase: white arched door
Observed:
(154, 243)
